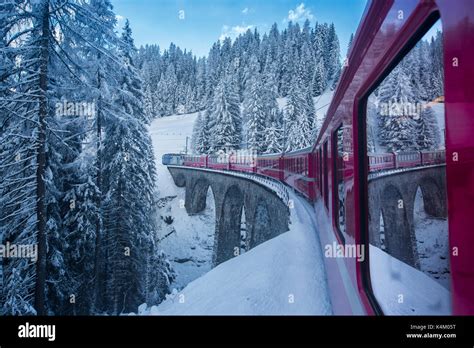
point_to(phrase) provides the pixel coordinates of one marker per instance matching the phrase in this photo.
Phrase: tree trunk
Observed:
(98, 260)
(41, 159)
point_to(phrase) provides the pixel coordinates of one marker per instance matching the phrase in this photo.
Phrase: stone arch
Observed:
(262, 224)
(399, 234)
(179, 180)
(197, 196)
(434, 197)
(228, 235)
(382, 237)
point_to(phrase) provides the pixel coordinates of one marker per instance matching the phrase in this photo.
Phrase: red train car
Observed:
(271, 165)
(381, 161)
(347, 198)
(198, 161)
(407, 159)
(218, 162)
(433, 157)
(299, 171)
(243, 163)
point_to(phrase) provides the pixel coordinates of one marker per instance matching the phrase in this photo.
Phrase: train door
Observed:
(407, 217)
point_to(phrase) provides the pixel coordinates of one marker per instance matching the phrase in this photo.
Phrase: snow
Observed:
(285, 275)
(403, 290)
(169, 136)
(189, 248)
(432, 243)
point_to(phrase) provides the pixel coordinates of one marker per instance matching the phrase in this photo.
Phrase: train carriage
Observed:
(381, 161)
(198, 161)
(271, 165)
(243, 162)
(299, 171)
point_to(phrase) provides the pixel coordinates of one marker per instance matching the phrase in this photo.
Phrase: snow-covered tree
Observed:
(396, 127)
(319, 82)
(129, 182)
(201, 139)
(226, 132)
(52, 165)
(255, 114)
(427, 130)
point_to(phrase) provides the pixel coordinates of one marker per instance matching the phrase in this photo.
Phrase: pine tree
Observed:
(204, 136)
(396, 129)
(427, 137)
(255, 115)
(226, 116)
(332, 54)
(129, 183)
(273, 138)
(319, 81)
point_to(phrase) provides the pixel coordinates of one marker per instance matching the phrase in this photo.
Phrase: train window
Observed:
(325, 174)
(339, 189)
(407, 199)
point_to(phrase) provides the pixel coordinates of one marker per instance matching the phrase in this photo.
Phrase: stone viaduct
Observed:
(266, 215)
(392, 196)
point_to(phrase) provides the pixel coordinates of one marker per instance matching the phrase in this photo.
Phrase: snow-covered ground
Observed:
(432, 243)
(190, 240)
(403, 290)
(285, 275)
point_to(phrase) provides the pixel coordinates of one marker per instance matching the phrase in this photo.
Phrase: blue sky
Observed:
(197, 24)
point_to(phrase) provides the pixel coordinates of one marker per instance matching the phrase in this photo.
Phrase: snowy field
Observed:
(189, 247)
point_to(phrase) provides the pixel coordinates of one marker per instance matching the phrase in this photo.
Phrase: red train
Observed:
(334, 174)
(298, 169)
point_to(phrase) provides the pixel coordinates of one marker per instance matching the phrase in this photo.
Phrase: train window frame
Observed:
(325, 173)
(362, 157)
(335, 186)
